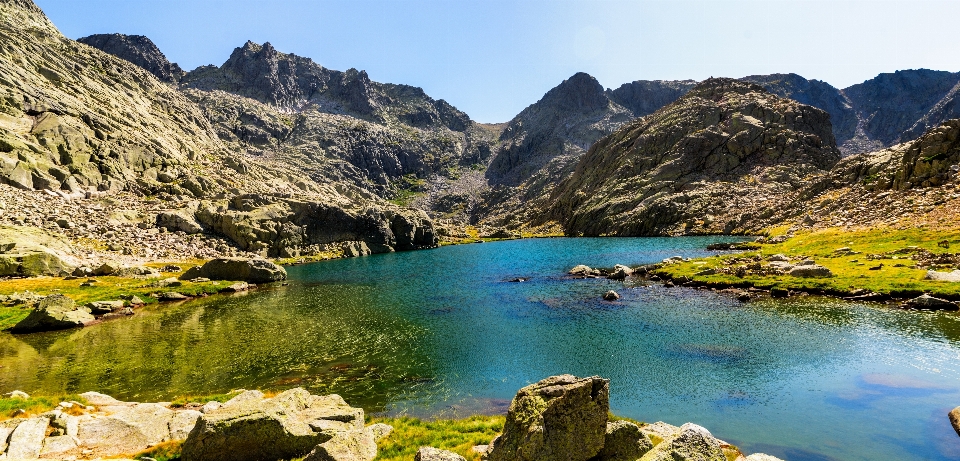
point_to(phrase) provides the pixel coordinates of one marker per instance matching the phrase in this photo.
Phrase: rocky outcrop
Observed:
(929, 303)
(247, 270)
(289, 425)
(954, 417)
(139, 50)
(54, 312)
(29, 252)
(688, 167)
(562, 417)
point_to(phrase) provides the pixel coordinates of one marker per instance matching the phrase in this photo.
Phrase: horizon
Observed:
(492, 59)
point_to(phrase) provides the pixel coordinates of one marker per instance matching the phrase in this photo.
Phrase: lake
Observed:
(445, 333)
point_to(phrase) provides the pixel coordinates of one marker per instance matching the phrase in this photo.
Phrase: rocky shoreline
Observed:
(559, 418)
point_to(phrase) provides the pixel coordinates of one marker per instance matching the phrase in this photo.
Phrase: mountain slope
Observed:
(688, 167)
(139, 50)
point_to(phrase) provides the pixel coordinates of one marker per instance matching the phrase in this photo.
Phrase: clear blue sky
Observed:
(492, 58)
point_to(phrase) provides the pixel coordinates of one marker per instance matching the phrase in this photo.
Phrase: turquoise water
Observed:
(444, 332)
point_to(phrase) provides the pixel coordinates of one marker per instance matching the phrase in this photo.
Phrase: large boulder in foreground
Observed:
(290, 425)
(247, 270)
(55, 312)
(691, 443)
(559, 418)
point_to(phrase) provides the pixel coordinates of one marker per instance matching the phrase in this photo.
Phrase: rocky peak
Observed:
(644, 97)
(139, 50)
(581, 93)
(28, 16)
(261, 72)
(815, 93)
(718, 88)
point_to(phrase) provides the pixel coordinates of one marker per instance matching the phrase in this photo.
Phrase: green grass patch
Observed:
(163, 451)
(10, 407)
(851, 272)
(458, 436)
(183, 400)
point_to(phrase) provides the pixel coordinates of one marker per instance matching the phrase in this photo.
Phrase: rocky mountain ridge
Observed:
(139, 50)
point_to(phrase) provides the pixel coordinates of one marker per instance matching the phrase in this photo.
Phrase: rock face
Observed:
(139, 50)
(247, 270)
(287, 426)
(558, 418)
(55, 312)
(696, 157)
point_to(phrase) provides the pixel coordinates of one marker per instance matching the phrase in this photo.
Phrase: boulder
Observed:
(380, 431)
(943, 276)
(236, 288)
(691, 443)
(929, 303)
(58, 445)
(172, 296)
(778, 258)
(611, 296)
(660, 431)
(355, 445)
(810, 270)
(104, 307)
(152, 419)
(624, 442)
(182, 422)
(16, 395)
(583, 270)
(762, 457)
(26, 441)
(559, 418)
(954, 416)
(107, 268)
(55, 312)
(620, 272)
(287, 426)
(6, 428)
(108, 436)
(30, 252)
(179, 220)
(436, 454)
(247, 270)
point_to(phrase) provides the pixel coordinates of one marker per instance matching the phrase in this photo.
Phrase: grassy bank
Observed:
(877, 260)
(105, 288)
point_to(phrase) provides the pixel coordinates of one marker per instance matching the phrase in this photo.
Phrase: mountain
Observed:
(90, 127)
(139, 50)
(694, 165)
(878, 113)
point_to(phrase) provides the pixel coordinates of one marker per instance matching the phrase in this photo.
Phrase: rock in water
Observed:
(559, 418)
(611, 296)
(435, 454)
(624, 442)
(287, 426)
(55, 312)
(692, 443)
(929, 303)
(247, 270)
(955, 419)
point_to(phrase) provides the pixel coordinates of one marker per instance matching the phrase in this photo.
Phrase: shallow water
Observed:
(443, 332)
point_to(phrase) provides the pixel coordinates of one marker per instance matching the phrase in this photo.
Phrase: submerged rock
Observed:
(929, 303)
(559, 418)
(55, 312)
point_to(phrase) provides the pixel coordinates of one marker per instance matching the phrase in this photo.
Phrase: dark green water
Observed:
(442, 332)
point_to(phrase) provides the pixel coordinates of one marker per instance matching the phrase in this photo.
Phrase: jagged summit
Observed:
(139, 50)
(726, 141)
(581, 92)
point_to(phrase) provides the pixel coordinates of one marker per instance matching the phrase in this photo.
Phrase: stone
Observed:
(31, 251)
(179, 220)
(559, 418)
(436, 454)
(380, 431)
(777, 292)
(247, 270)
(55, 312)
(810, 271)
(106, 436)
(620, 272)
(6, 428)
(778, 258)
(354, 445)
(583, 270)
(762, 457)
(236, 287)
(98, 399)
(104, 307)
(659, 431)
(611, 296)
(182, 423)
(26, 441)
(16, 395)
(691, 443)
(58, 444)
(289, 425)
(624, 442)
(954, 417)
(943, 276)
(136, 301)
(151, 419)
(927, 302)
(172, 296)
(107, 268)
